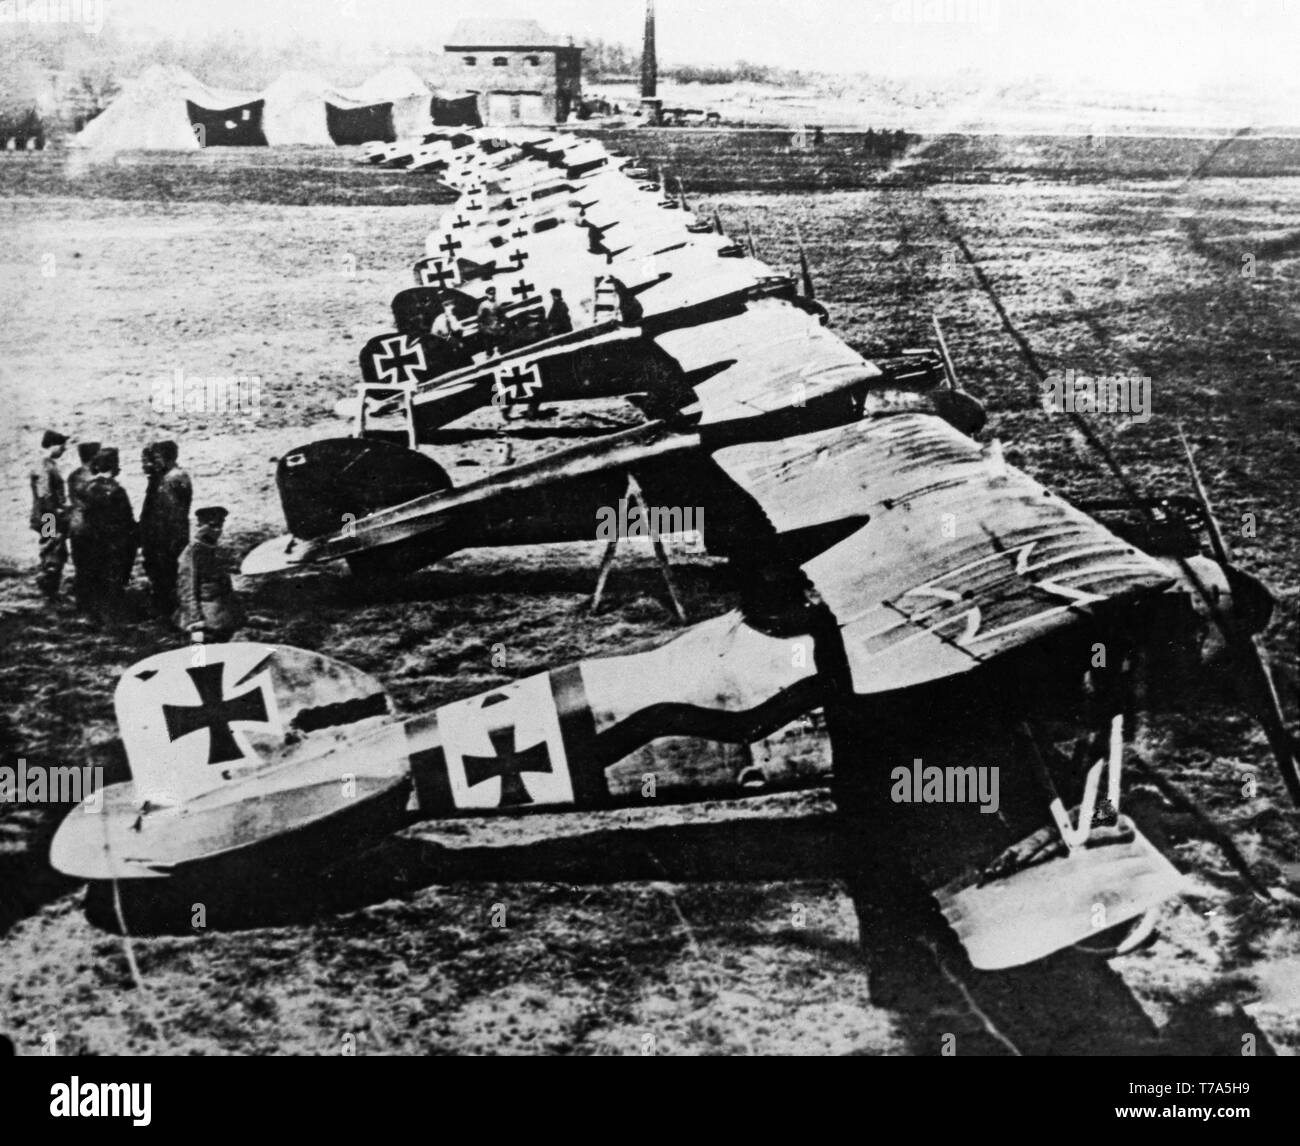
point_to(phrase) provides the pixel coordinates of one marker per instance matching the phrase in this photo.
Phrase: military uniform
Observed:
(49, 518)
(78, 480)
(491, 326)
(109, 538)
(208, 604)
(165, 525)
(558, 321)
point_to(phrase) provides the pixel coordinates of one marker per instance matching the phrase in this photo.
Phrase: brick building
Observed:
(518, 72)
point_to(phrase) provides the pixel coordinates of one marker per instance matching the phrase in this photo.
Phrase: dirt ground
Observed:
(627, 932)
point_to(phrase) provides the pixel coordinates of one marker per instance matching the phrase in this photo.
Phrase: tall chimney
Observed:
(649, 65)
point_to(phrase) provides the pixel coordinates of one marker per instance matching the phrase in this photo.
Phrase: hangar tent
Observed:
(390, 105)
(295, 110)
(455, 109)
(167, 109)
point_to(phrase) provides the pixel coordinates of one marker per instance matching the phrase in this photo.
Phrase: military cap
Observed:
(106, 460)
(168, 450)
(211, 515)
(87, 450)
(53, 438)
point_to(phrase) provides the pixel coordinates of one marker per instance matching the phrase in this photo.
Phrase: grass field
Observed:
(624, 926)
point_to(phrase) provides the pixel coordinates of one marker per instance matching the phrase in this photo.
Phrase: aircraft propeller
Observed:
(1244, 647)
(949, 371)
(808, 290)
(1261, 691)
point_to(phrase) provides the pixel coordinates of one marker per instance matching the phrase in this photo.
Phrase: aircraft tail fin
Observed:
(328, 485)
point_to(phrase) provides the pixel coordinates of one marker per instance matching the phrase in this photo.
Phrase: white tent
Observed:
(401, 87)
(150, 113)
(295, 110)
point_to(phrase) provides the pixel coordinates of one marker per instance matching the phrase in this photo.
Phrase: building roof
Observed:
(501, 34)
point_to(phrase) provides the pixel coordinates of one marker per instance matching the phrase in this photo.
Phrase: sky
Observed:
(1126, 45)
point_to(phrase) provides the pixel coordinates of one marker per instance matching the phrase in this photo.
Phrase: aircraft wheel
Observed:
(1124, 939)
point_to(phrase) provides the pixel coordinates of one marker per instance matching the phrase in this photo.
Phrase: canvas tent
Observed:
(391, 104)
(295, 110)
(453, 109)
(238, 126)
(153, 113)
(169, 109)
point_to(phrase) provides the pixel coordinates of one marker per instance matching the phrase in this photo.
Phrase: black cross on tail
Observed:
(450, 246)
(523, 289)
(400, 361)
(214, 713)
(510, 763)
(437, 274)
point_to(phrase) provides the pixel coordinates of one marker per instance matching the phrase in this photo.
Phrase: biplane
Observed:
(719, 350)
(940, 607)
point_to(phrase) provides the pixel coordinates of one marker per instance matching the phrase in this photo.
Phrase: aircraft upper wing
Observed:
(964, 557)
(770, 357)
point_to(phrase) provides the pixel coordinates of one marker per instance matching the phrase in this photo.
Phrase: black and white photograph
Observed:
(651, 528)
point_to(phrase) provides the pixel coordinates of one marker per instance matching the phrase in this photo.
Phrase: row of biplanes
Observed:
(896, 573)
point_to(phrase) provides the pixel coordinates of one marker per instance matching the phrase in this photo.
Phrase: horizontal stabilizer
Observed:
(208, 723)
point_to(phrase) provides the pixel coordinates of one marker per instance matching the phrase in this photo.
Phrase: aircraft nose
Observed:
(1237, 595)
(1252, 603)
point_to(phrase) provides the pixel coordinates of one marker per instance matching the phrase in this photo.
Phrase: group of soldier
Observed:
(90, 517)
(494, 326)
(495, 332)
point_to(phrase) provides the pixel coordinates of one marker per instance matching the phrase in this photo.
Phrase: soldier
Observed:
(110, 537)
(558, 320)
(164, 522)
(78, 480)
(50, 514)
(449, 349)
(446, 327)
(491, 323)
(209, 609)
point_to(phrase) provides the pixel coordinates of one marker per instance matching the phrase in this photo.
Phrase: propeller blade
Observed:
(749, 238)
(1211, 524)
(681, 193)
(717, 224)
(1246, 649)
(808, 290)
(1261, 689)
(949, 370)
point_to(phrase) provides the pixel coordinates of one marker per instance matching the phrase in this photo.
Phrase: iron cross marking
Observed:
(519, 381)
(523, 289)
(518, 257)
(214, 713)
(510, 763)
(450, 246)
(460, 222)
(437, 274)
(400, 360)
